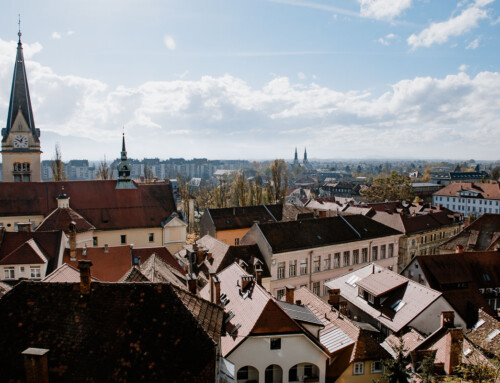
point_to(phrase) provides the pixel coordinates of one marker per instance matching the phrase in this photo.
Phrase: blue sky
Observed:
(253, 79)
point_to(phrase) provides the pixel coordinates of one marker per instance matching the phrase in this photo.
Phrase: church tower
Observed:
(124, 170)
(296, 159)
(20, 139)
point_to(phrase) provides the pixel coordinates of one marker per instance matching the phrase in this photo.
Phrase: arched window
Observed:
(304, 372)
(247, 374)
(274, 374)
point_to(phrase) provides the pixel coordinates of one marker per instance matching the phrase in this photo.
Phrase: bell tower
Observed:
(20, 139)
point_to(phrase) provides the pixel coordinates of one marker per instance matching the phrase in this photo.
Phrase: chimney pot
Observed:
(289, 293)
(245, 282)
(84, 267)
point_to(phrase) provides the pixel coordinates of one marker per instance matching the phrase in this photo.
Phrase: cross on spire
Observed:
(19, 23)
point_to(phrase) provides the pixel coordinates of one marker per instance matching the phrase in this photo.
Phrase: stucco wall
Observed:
(349, 377)
(295, 349)
(229, 236)
(9, 222)
(429, 320)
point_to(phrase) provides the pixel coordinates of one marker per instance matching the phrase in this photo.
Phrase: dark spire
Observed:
(124, 170)
(20, 95)
(305, 154)
(296, 157)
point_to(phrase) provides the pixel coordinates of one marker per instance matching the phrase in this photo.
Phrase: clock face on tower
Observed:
(20, 141)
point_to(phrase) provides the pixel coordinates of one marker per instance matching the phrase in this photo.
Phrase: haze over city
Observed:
(253, 80)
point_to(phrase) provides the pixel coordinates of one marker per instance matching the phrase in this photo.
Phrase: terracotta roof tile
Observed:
(120, 332)
(486, 190)
(242, 217)
(27, 253)
(61, 218)
(65, 273)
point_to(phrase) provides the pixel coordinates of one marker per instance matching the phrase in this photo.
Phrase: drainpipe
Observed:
(310, 269)
(370, 252)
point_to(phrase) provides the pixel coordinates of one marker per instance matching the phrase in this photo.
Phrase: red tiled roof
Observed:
(243, 217)
(27, 253)
(487, 191)
(113, 265)
(410, 224)
(49, 241)
(98, 202)
(61, 218)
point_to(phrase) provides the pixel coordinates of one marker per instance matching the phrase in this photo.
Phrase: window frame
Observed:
(11, 271)
(33, 272)
(123, 239)
(358, 368)
(275, 343)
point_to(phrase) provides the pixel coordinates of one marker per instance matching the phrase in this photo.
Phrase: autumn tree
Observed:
(240, 190)
(394, 187)
(148, 174)
(57, 166)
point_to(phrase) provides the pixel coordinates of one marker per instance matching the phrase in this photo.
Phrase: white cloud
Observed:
(386, 40)
(439, 33)
(474, 44)
(225, 117)
(383, 9)
(56, 35)
(463, 67)
(169, 42)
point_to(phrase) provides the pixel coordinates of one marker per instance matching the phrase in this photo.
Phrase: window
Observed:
(275, 343)
(308, 370)
(391, 250)
(347, 258)
(280, 294)
(336, 260)
(382, 251)
(21, 269)
(35, 272)
(303, 266)
(292, 270)
(364, 255)
(123, 239)
(317, 264)
(281, 270)
(359, 368)
(377, 367)
(316, 288)
(236, 241)
(325, 289)
(355, 256)
(374, 253)
(94, 241)
(328, 262)
(151, 237)
(243, 373)
(8, 273)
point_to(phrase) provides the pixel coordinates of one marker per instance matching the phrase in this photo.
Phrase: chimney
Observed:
(132, 261)
(72, 240)
(217, 291)
(200, 256)
(195, 246)
(35, 364)
(191, 283)
(459, 249)
(84, 266)
(343, 308)
(106, 249)
(258, 276)
(245, 282)
(24, 227)
(448, 319)
(213, 278)
(453, 351)
(334, 297)
(289, 293)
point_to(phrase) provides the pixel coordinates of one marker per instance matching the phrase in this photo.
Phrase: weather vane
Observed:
(19, 23)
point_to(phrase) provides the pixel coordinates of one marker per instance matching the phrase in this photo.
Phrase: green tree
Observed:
(395, 369)
(394, 187)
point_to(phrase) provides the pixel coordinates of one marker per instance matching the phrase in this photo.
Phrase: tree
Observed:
(476, 369)
(279, 175)
(57, 166)
(148, 174)
(495, 173)
(240, 190)
(395, 369)
(104, 171)
(394, 187)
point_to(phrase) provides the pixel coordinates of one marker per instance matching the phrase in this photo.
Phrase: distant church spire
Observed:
(20, 101)
(296, 159)
(124, 170)
(305, 154)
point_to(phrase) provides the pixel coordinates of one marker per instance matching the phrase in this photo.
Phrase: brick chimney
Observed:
(72, 240)
(132, 261)
(217, 290)
(84, 267)
(343, 308)
(35, 364)
(258, 276)
(289, 294)
(214, 288)
(448, 319)
(191, 283)
(453, 352)
(200, 256)
(459, 249)
(334, 297)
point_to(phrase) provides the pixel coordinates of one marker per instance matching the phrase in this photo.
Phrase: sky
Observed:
(240, 79)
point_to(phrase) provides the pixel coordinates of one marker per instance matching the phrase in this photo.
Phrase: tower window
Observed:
(123, 239)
